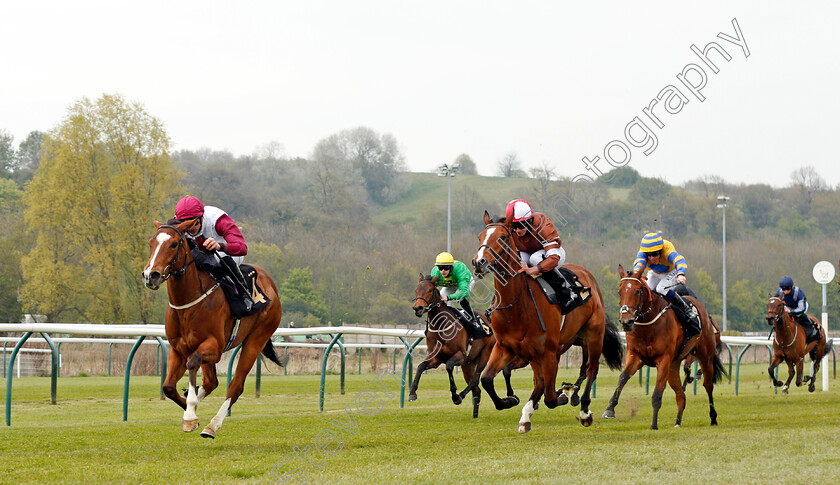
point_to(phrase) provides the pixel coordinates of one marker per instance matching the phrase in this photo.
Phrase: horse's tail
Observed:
(720, 370)
(613, 351)
(269, 352)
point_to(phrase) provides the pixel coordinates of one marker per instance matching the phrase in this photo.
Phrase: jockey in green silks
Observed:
(455, 282)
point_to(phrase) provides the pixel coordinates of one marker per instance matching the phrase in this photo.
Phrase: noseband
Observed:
(775, 316)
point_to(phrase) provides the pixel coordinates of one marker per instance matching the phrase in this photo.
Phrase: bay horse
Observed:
(200, 326)
(654, 336)
(789, 346)
(529, 327)
(448, 342)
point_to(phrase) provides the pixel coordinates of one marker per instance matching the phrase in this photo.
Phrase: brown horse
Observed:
(528, 326)
(200, 327)
(654, 336)
(789, 345)
(447, 342)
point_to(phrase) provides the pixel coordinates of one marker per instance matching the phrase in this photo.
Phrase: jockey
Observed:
(216, 231)
(538, 243)
(668, 269)
(455, 281)
(796, 305)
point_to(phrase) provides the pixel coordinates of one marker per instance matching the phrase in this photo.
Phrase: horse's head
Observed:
(775, 309)
(634, 296)
(426, 295)
(496, 252)
(169, 252)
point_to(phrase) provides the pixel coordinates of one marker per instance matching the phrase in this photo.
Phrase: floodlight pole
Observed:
(448, 171)
(722, 200)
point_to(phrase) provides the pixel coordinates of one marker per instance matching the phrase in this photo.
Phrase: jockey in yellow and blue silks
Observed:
(455, 282)
(668, 269)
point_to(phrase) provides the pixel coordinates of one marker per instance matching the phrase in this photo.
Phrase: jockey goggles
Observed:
(444, 267)
(522, 224)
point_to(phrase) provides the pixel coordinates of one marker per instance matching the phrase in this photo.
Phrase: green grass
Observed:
(762, 436)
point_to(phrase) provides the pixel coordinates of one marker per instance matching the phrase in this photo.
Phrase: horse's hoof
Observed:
(457, 399)
(412, 397)
(677, 425)
(654, 427)
(188, 425)
(785, 391)
(585, 419)
(562, 400)
(524, 427)
(575, 400)
(609, 414)
(208, 432)
(812, 388)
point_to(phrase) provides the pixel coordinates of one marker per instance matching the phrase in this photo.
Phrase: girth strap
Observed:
(233, 335)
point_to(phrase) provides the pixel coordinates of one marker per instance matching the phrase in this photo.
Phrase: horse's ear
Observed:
(187, 225)
(487, 219)
(621, 272)
(421, 276)
(158, 224)
(509, 219)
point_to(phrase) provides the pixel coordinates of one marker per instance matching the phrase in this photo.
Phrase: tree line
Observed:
(78, 204)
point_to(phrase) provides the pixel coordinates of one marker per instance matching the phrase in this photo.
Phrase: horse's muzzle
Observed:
(480, 266)
(418, 310)
(627, 325)
(152, 280)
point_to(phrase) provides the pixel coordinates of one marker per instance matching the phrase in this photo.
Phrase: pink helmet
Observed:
(520, 209)
(188, 207)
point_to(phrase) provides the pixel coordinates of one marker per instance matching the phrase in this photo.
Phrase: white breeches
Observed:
(537, 257)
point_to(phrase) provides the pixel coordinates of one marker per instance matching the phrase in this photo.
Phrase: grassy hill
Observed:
(429, 190)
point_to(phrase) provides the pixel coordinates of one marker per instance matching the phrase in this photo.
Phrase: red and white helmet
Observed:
(520, 209)
(188, 207)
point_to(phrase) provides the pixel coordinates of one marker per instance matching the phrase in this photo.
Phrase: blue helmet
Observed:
(786, 282)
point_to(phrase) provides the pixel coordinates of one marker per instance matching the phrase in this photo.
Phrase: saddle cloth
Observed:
(567, 298)
(210, 265)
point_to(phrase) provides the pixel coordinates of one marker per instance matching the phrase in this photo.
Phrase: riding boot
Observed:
(564, 289)
(239, 279)
(475, 329)
(691, 328)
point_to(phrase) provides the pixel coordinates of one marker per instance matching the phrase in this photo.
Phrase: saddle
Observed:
(564, 289)
(212, 267)
(486, 330)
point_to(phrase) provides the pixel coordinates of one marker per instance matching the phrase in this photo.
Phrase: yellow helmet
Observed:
(652, 242)
(444, 259)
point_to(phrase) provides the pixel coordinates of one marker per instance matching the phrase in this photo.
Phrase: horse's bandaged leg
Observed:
(525, 421)
(192, 403)
(216, 423)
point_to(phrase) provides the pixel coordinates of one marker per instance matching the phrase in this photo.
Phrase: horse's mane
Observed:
(428, 277)
(498, 220)
(173, 222)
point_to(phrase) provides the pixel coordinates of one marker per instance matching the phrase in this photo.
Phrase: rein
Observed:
(169, 271)
(428, 309)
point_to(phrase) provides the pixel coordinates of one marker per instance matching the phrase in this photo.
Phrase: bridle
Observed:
(506, 249)
(778, 317)
(169, 270)
(637, 313)
(434, 304)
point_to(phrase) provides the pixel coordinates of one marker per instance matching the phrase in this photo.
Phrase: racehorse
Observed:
(200, 326)
(789, 345)
(654, 336)
(528, 326)
(448, 342)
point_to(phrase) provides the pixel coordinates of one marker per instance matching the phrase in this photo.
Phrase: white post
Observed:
(448, 212)
(824, 366)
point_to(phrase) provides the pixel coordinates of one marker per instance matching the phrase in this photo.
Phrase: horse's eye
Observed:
(173, 245)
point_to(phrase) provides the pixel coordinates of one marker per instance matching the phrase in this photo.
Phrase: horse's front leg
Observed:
(533, 401)
(425, 364)
(175, 369)
(777, 359)
(791, 374)
(676, 385)
(631, 366)
(190, 420)
(499, 358)
(663, 367)
(450, 366)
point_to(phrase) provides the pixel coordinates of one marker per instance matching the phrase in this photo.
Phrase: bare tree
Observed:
(510, 166)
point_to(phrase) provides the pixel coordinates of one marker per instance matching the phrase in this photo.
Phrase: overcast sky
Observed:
(553, 82)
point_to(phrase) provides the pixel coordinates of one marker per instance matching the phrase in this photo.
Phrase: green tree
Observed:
(466, 165)
(299, 295)
(746, 306)
(105, 175)
(7, 153)
(13, 243)
(28, 158)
